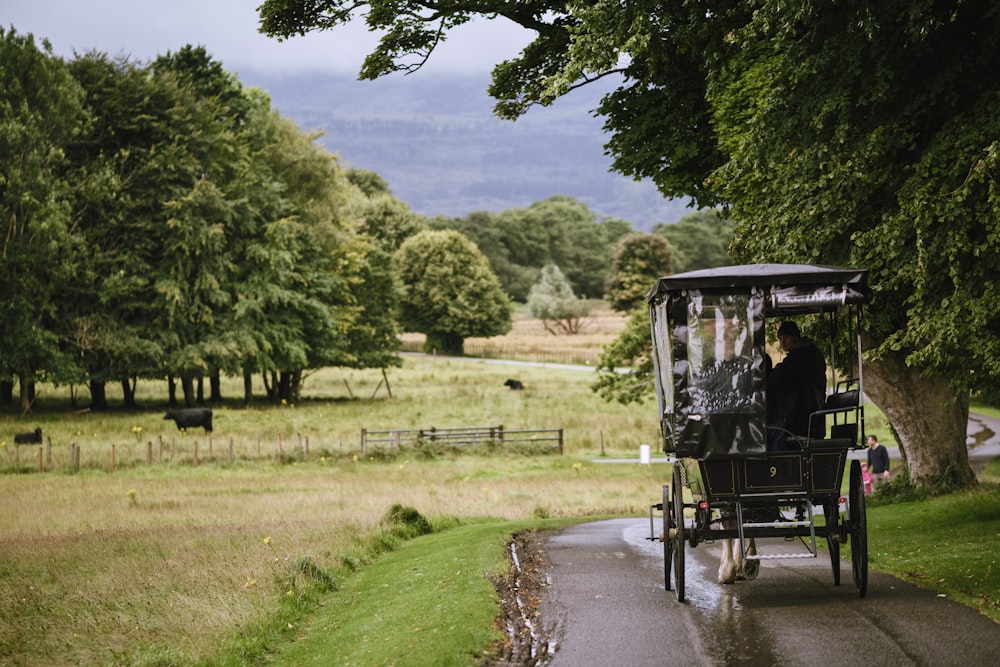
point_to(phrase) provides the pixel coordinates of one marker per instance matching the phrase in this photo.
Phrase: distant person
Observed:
(866, 478)
(795, 389)
(878, 460)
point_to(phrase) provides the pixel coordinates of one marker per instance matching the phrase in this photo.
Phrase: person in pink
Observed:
(866, 478)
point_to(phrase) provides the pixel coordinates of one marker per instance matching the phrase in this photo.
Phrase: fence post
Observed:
(305, 447)
(149, 452)
(560, 441)
(48, 451)
(17, 456)
(230, 451)
(76, 457)
(40, 460)
(196, 452)
(364, 437)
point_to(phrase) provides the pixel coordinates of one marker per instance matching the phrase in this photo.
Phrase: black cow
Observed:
(514, 384)
(29, 438)
(186, 418)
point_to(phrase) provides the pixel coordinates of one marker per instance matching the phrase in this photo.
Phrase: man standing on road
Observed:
(878, 460)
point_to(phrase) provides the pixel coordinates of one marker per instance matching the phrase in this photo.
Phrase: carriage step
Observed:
(778, 556)
(778, 524)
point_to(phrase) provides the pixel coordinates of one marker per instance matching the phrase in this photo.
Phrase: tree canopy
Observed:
(448, 291)
(860, 133)
(161, 221)
(559, 230)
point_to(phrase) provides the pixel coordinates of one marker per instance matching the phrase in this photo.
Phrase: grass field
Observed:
(220, 563)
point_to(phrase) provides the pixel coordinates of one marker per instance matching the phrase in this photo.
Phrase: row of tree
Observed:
(161, 221)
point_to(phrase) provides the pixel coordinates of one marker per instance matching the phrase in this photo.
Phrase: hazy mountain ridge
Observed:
(435, 140)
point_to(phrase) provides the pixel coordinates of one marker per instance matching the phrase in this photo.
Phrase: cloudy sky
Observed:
(144, 29)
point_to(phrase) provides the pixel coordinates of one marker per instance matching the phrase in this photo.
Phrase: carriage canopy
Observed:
(709, 347)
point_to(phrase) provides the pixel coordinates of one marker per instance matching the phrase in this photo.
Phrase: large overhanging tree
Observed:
(861, 133)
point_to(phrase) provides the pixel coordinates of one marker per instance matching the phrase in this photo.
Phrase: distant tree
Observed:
(370, 183)
(41, 111)
(558, 230)
(574, 240)
(700, 240)
(552, 301)
(388, 221)
(639, 261)
(631, 350)
(449, 291)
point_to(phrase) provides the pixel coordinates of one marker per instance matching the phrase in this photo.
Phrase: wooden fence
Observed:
(189, 451)
(459, 436)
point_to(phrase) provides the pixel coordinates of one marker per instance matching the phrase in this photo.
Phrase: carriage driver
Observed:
(795, 388)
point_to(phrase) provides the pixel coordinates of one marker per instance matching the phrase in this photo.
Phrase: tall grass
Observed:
(165, 563)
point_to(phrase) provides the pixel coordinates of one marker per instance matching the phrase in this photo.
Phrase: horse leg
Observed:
(749, 569)
(727, 566)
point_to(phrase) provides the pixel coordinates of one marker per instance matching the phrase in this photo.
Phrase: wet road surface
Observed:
(606, 605)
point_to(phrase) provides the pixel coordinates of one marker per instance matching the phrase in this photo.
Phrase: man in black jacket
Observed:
(878, 460)
(795, 388)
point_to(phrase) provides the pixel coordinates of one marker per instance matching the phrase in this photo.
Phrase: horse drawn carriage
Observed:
(745, 470)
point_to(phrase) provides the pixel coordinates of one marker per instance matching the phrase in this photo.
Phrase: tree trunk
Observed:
(98, 395)
(187, 386)
(247, 387)
(171, 390)
(25, 392)
(929, 417)
(128, 391)
(6, 392)
(215, 388)
(444, 343)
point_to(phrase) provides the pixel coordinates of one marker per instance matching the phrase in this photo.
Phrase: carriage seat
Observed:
(842, 434)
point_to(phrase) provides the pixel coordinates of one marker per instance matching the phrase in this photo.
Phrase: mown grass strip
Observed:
(430, 602)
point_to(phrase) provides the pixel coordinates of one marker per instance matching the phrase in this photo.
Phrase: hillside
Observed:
(435, 140)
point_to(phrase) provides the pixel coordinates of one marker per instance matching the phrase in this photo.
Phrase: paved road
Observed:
(606, 605)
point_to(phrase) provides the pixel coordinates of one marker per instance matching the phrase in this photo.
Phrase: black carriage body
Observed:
(708, 330)
(711, 368)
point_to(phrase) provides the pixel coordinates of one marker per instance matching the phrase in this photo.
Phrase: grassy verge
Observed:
(947, 543)
(430, 602)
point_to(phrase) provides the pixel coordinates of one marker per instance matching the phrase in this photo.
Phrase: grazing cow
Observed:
(186, 418)
(29, 438)
(514, 384)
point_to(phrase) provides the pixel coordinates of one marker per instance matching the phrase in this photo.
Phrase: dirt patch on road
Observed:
(527, 641)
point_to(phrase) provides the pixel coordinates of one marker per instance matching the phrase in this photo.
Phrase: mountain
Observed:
(435, 139)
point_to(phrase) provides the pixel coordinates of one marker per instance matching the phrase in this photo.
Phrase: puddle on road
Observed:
(728, 632)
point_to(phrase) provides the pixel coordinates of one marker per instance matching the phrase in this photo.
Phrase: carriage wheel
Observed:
(858, 530)
(668, 543)
(678, 512)
(832, 511)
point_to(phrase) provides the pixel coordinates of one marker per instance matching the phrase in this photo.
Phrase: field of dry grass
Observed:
(165, 563)
(528, 339)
